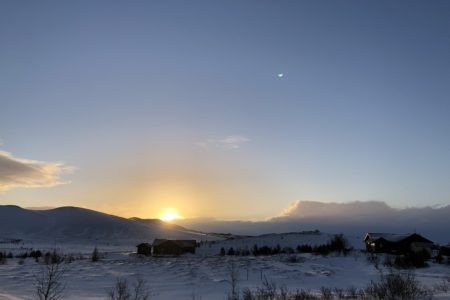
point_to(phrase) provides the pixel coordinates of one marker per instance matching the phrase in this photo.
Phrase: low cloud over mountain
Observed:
(354, 218)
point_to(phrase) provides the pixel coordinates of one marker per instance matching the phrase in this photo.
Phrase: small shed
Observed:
(397, 243)
(173, 247)
(144, 249)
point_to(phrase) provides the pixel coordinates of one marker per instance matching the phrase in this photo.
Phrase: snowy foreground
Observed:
(206, 274)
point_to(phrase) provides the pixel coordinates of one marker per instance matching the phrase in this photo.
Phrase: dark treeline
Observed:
(337, 244)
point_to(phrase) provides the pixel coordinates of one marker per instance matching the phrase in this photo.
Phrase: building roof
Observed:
(181, 243)
(392, 237)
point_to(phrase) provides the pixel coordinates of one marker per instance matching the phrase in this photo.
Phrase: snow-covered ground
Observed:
(204, 275)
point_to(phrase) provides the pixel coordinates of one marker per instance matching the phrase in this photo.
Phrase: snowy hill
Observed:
(73, 224)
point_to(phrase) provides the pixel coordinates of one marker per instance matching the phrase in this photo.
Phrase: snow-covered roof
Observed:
(391, 237)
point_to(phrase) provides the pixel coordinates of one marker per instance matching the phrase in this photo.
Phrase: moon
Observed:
(280, 75)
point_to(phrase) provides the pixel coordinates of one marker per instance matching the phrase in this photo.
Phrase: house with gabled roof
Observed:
(397, 243)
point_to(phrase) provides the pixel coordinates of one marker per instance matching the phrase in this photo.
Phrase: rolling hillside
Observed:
(76, 224)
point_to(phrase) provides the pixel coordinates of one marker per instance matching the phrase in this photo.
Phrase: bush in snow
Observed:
(407, 261)
(397, 286)
(2, 258)
(35, 254)
(443, 286)
(95, 256)
(304, 249)
(53, 257)
(122, 290)
(230, 251)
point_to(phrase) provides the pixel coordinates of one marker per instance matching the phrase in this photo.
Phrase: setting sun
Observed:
(169, 215)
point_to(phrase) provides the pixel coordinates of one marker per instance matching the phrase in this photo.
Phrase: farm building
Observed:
(144, 249)
(173, 247)
(397, 243)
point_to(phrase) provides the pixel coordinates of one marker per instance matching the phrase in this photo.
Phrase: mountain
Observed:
(66, 224)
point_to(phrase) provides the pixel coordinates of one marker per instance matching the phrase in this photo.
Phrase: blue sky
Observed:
(157, 104)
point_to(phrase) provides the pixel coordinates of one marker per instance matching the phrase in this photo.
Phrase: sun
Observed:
(169, 214)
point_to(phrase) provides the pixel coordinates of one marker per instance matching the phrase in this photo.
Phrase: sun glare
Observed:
(169, 215)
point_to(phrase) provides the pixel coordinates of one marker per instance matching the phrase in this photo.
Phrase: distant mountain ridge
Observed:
(65, 224)
(354, 218)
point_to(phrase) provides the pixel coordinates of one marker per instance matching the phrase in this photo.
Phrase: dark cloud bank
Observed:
(354, 218)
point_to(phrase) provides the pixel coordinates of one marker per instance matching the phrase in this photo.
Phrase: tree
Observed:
(233, 272)
(95, 256)
(49, 282)
(2, 258)
(230, 251)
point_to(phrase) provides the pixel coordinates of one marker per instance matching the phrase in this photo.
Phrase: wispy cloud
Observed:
(20, 172)
(229, 142)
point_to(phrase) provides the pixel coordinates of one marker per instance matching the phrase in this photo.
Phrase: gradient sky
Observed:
(133, 107)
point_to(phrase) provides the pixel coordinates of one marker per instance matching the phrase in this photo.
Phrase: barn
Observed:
(397, 243)
(144, 249)
(173, 247)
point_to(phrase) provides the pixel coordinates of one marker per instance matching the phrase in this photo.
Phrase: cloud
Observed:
(229, 142)
(351, 218)
(20, 172)
(308, 209)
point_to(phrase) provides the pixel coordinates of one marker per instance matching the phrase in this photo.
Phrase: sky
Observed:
(224, 109)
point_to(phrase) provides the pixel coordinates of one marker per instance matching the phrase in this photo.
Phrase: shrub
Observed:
(352, 293)
(411, 260)
(295, 259)
(327, 293)
(304, 295)
(338, 244)
(2, 258)
(95, 256)
(22, 255)
(304, 249)
(245, 252)
(321, 250)
(35, 254)
(287, 250)
(397, 286)
(53, 257)
(373, 258)
(230, 251)
(122, 290)
(439, 258)
(443, 286)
